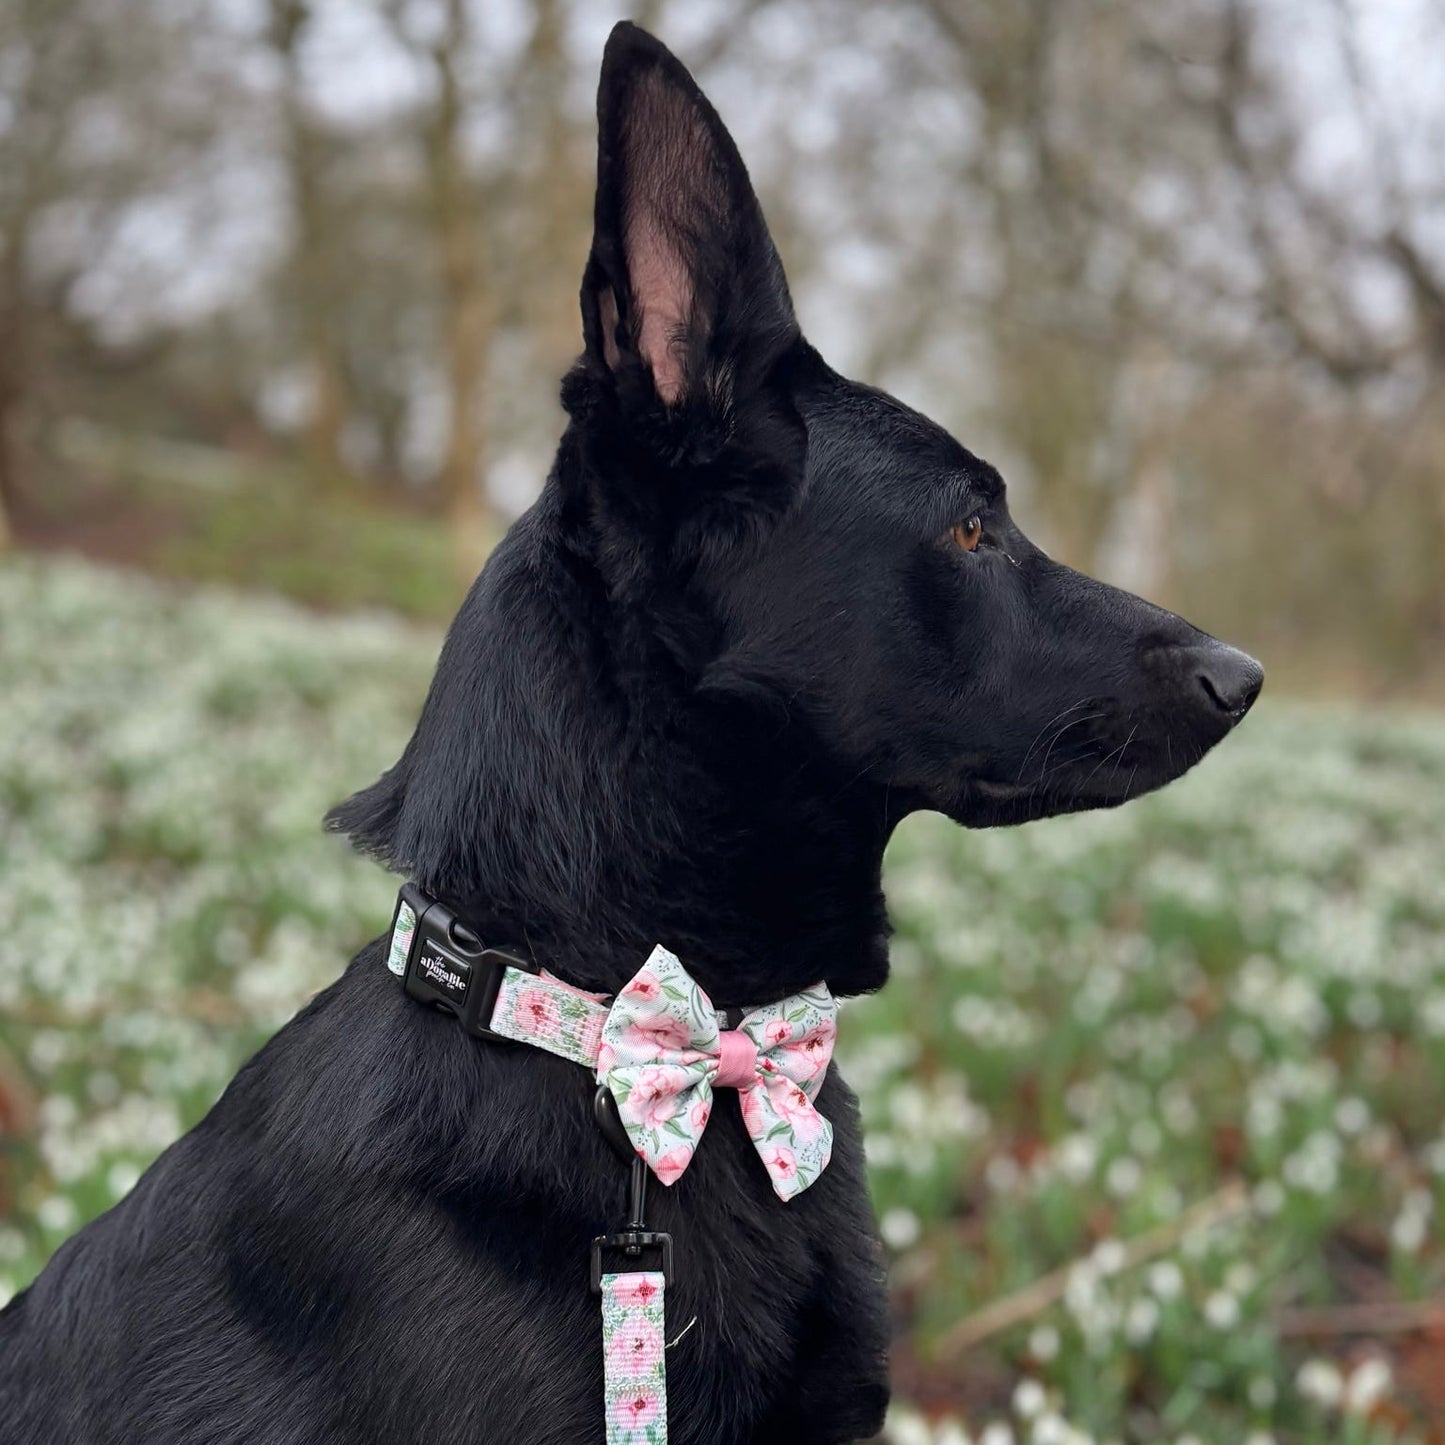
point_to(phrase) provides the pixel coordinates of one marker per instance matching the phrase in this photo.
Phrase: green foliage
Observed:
(204, 515)
(1094, 1023)
(331, 552)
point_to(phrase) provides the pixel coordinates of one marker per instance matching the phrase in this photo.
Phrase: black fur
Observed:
(686, 702)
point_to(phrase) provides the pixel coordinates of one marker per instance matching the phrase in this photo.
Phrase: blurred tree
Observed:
(316, 274)
(446, 44)
(104, 108)
(1175, 264)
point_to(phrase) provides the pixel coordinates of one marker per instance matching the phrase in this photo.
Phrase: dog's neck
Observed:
(573, 790)
(653, 815)
(760, 895)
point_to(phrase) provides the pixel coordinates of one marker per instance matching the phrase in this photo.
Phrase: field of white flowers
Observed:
(1155, 1100)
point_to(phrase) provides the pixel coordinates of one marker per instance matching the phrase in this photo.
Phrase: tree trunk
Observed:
(467, 309)
(7, 479)
(313, 261)
(12, 387)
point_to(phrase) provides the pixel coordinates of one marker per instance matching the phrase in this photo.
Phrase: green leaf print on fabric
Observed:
(401, 937)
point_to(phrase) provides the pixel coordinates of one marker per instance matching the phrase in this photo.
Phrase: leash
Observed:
(658, 1049)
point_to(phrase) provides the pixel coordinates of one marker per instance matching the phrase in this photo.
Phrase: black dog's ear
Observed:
(684, 297)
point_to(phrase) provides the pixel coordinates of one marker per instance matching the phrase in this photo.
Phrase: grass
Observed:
(1231, 995)
(245, 522)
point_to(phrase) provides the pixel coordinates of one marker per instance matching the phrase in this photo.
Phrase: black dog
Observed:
(759, 614)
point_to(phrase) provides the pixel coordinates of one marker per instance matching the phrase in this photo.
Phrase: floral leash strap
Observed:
(633, 1361)
(659, 1051)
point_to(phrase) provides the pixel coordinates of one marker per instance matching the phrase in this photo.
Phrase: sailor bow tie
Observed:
(662, 1049)
(663, 1053)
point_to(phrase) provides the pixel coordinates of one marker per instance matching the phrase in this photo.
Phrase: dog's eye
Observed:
(967, 534)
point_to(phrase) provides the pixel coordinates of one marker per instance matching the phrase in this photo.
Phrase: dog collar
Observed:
(658, 1049)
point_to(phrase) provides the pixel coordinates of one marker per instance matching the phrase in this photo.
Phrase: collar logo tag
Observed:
(450, 976)
(443, 963)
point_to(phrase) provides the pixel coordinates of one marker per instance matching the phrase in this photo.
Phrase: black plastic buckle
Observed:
(449, 967)
(631, 1243)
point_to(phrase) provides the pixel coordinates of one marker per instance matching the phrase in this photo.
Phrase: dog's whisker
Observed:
(1069, 760)
(1058, 716)
(1044, 765)
(1107, 756)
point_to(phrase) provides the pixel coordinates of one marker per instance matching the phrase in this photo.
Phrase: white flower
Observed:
(1269, 1198)
(997, 1434)
(899, 1227)
(906, 1428)
(1145, 1137)
(1050, 1429)
(1319, 1382)
(1262, 1392)
(1351, 1115)
(1180, 1115)
(121, 1178)
(1412, 1224)
(1245, 1043)
(1369, 1384)
(1221, 1309)
(57, 1213)
(1141, 1320)
(1123, 1177)
(1240, 1277)
(1076, 1157)
(1109, 1256)
(1433, 1155)
(1166, 1280)
(1029, 1399)
(1044, 1343)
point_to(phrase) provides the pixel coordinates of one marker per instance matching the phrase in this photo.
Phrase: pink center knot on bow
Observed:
(737, 1061)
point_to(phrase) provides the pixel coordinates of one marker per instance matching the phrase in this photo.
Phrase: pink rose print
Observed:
(750, 1101)
(698, 1115)
(643, 989)
(635, 1349)
(780, 1163)
(777, 1031)
(817, 1048)
(652, 1100)
(636, 1291)
(640, 1409)
(794, 1105)
(606, 1058)
(658, 1032)
(538, 1013)
(670, 1166)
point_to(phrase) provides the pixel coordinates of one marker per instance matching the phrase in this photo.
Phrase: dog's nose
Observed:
(1231, 679)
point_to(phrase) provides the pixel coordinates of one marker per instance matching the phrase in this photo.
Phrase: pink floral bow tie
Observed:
(663, 1054)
